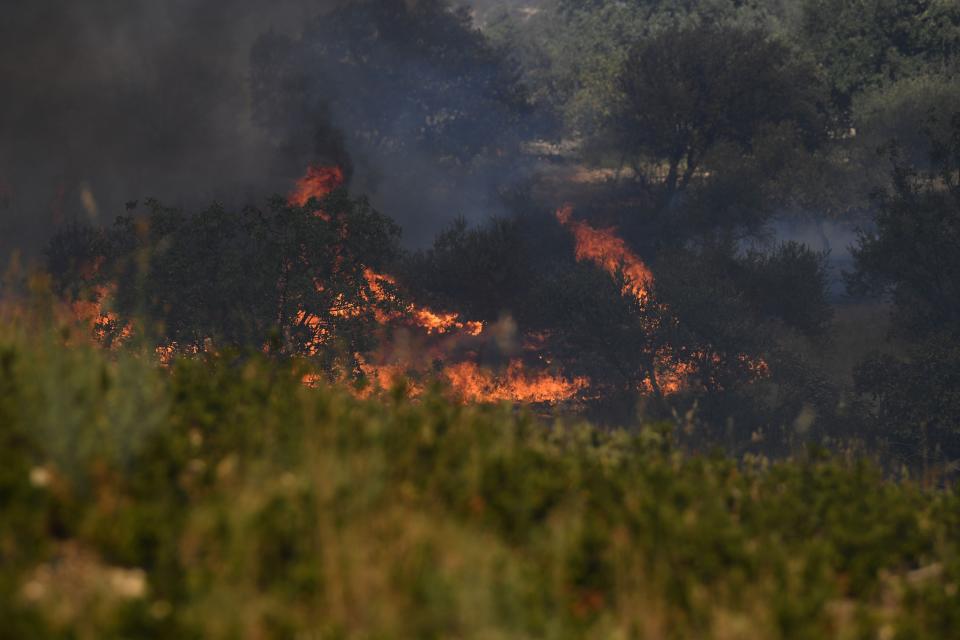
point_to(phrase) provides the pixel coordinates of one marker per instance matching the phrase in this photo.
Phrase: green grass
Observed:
(223, 499)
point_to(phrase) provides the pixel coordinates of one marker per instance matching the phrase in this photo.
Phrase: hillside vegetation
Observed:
(222, 498)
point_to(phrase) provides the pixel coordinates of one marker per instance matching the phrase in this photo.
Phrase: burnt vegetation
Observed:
(723, 232)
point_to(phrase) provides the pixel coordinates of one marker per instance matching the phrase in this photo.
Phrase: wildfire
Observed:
(604, 248)
(318, 183)
(467, 380)
(608, 251)
(672, 375)
(446, 347)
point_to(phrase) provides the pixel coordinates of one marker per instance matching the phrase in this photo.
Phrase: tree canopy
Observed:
(687, 90)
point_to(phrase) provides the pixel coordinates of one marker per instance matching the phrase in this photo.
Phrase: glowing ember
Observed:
(604, 248)
(101, 322)
(318, 183)
(672, 375)
(166, 353)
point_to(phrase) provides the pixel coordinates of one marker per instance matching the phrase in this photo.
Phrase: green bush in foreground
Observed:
(223, 499)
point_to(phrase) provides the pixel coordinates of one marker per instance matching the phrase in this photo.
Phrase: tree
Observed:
(872, 42)
(481, 272)
(398, 77)
(283, 276)
(597, 331)
(788, 285)
(911, 259)
(911, 112)
(688, 90)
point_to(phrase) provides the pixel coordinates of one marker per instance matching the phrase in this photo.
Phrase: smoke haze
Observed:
(118, 100)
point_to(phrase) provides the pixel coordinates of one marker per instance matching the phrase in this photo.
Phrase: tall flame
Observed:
(318, 183)
(607, 250)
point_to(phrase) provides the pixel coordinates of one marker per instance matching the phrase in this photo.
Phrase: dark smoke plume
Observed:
(111, 101)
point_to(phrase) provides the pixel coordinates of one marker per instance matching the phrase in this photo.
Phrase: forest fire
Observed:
(427, 319)
(466, 379)
(604, 248)
(418, 343)
(470, 382)
(609, 252)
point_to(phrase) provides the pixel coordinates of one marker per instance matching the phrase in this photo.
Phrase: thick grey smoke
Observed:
(431, 115)
(110, 102)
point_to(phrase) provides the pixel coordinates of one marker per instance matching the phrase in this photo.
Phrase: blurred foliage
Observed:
(224, 499)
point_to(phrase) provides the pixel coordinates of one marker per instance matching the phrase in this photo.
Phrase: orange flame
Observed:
(474, 384)
(605, 249)
(92, 313)
(469, 382)
(427, 319)
(318, 183)
(608, 251)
